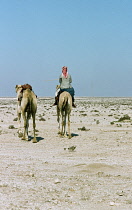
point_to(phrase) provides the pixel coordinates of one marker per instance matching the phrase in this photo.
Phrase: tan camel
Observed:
(27, 106)
(64, 108)
(19, 98)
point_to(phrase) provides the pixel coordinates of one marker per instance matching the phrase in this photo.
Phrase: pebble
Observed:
(114, 204)
(57, 181)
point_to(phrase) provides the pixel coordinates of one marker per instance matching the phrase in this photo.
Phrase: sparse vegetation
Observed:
(94, 110)
(119, 125)
(15, 119)
(125, 117)
(81, 111)
(83, 129)
(42, 119)
(11, 127)
(97, 122)
(84, 115)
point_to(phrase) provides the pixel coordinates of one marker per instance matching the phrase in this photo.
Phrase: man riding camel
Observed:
(65, 81)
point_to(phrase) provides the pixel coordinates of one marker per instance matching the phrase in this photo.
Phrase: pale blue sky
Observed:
(92, 37)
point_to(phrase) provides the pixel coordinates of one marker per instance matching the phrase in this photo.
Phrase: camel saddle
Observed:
(26, 86)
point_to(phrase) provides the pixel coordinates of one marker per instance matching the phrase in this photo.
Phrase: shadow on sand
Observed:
(74, 134)
(38, 138)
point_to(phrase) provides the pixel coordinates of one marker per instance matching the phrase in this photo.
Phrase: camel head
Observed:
(57, 87)
(18, 87)
(19, 92)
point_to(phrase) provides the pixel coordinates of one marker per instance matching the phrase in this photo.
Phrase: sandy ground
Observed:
(47, 175)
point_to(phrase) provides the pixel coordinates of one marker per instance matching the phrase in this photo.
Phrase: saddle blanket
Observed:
(69, 90)
(26, 86)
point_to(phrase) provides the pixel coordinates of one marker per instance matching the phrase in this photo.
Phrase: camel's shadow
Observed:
(74, 134)
(38, 138)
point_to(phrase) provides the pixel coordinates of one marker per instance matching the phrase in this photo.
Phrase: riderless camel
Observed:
(27, 106)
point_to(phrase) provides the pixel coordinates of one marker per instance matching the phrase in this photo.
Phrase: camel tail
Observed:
(29, 109)
(30, 104)
(65, 102)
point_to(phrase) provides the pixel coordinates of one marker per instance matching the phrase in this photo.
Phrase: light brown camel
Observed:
(27, 106)
(19, 98)
(64, 108)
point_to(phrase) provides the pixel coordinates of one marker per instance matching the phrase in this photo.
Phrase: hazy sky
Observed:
(93, 38)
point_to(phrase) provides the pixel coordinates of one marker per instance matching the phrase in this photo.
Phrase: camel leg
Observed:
(64, 124)
(19, 122)
(25, 135)
(69, 132)
(19, 116)
(58, 120)
(27, 125)
(34, 126)
(20, 133)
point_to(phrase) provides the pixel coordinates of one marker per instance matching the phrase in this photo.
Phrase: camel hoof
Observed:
(34, 140)
(20, 134)
(26, 139)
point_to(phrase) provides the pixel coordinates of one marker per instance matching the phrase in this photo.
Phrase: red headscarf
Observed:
(64, 72)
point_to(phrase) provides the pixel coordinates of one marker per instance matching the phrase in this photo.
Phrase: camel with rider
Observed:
(64, 108)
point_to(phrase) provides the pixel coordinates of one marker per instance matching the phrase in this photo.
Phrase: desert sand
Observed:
(96, 175)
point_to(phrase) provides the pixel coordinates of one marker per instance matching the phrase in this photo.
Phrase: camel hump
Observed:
(29, 94)
(65, 99)
(65, 94)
